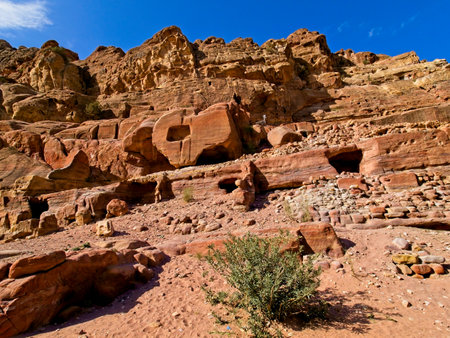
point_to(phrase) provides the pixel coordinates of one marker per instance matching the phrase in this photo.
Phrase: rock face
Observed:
(362, 137)
(77, 169)
(209, 136)
(32, 265)
(39, 288)
(172, 103)
(282, 135)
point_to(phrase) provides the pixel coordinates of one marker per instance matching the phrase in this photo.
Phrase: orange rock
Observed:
(438, 268)
(25, 142)
(282, 135)
(33, 264)
(404, 151)
(116, 208)
(347, 182)
(186, 138)
(77, 170)
(4, 270)
(399, 181)
(421, 269)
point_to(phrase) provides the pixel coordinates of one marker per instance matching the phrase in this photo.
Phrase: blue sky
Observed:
(389, 27)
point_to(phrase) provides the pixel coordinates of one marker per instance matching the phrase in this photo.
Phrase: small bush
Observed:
(61, 51)
(270, 48)
(93, 110)
(271, 285)
(288, 210)
(306, 214)
(188, 195)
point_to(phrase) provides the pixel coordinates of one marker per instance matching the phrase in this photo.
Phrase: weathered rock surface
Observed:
(34, 264)
(210, 136)
(282, 135)
(55, 282)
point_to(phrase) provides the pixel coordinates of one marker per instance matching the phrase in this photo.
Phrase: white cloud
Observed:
(375, 31)
(343, 26)
(30, 14)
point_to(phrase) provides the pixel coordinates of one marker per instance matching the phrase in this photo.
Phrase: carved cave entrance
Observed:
(228, 185)
(178, 133)
(215, 155)
(37, 207)
(347, 161)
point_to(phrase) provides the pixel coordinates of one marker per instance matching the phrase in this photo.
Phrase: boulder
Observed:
(77, 169)
(48, 223)
(24, 141)
(116, 208)
(399, 181)
(186, 138)
(35, 300)
(282, 135)
(320, 238)
(57, 105)
(34, 264)
(113, 281)
(403, 258)
(351, 182)
(421, 269)
(4, 270)
(143, 273)
(105, 228)
(155, 256)
(401, 243)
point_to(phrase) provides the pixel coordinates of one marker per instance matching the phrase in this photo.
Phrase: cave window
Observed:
(228, 185)
(37, 207)
(212, 156)
(142, 192)
(347, 161)
(178, 133)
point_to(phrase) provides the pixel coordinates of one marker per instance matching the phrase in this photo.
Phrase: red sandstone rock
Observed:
(320, 237)
(35, 300)
(347, 182)
(400, 181)
(77, 170)
(4, 270)
(315, 237)
(155, 256)
(437, 268)
(184, 137)
(24, 141)
(31, 265)
(116, 208)
(421, 269)
(404, 151)
(282, 135)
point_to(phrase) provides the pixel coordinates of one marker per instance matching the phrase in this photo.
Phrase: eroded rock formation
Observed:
(363, 137)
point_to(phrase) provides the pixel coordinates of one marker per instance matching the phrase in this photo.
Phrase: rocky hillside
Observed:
(362, 137)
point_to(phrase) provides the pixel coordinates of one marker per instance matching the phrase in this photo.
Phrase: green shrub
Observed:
(288, 210)
(61, 51)
(306, 214)
(93, 110)
(271, 285)
(188, 195)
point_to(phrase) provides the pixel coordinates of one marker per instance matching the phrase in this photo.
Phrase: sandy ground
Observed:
(365, 297)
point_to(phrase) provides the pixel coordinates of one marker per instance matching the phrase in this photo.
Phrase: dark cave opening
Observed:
(37, 207)
(347, 161)
(212, 156)
(228, 185)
